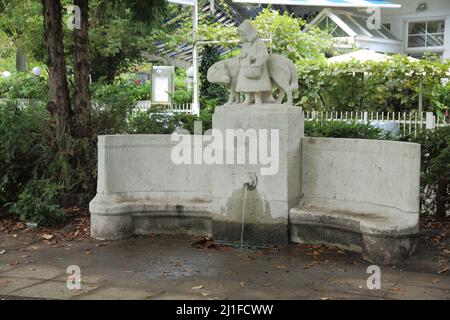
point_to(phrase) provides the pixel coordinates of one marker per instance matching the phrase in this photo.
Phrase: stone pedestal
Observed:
(279, 129)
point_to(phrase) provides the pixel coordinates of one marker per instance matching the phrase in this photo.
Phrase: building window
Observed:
(426, 34)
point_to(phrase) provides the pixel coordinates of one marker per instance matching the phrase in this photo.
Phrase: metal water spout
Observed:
(250, 182)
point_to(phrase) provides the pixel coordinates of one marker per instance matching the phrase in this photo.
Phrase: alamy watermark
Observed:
(74, 279)
(374, 280)
(74, 17)
(232, 146)
(374, 18)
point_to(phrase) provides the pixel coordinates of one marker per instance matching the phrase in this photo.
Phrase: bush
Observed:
(371, 86)
(341, 129)
(20, 141)
(23, 86)
(39, 202)
(435, 167)
(155, 122)
(34, 166)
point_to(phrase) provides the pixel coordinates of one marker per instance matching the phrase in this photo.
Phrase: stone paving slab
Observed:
(9, 285)
(35, 271)
(153, 268)
(118, 293)
(52, 290)
(417, 293)
(333, 295)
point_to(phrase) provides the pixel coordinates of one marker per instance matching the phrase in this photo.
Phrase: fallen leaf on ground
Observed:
(4, 282)
(400, 290)
(207, 243)
(436, 281)
(47, 236)
(324, 298)
(197, 287)
(242, 284)
(443, 270)
(2, 251)
(205, 294)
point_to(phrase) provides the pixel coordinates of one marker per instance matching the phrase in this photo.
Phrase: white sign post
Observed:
(195, 100)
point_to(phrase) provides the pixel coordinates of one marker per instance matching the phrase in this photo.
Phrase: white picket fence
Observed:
(174, 108)
(401, 122)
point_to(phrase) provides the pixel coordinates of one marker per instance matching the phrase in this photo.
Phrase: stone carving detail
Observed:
(255, 72)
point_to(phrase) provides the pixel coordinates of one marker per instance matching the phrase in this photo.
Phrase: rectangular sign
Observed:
(183, 2)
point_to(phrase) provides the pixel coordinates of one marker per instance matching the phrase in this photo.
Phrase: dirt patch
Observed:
(75, 228)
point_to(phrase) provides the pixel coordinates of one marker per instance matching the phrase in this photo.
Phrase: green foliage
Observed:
(39, 202)
(120, 31)
(435, 166)
(23, 86)
(20, 134)
(21, 21)
(341, 129)
(154, 121)
(209, 91)
(7, 47)
(113, 102)
(288, 39)
(283, 31)
(371, 86)
(441, 98)
(182, 94)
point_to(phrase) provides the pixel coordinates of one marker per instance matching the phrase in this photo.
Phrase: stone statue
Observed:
(254, 72)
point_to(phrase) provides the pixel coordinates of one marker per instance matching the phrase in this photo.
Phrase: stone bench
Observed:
(115, 219)
(380, 237)
(360, 195)
(141, 191)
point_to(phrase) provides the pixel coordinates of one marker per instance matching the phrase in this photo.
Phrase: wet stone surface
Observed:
(170, 267)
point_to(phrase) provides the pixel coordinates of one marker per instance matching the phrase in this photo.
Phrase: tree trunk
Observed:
(111, 70)
(82, 91)
(441, 197)
(59, 101)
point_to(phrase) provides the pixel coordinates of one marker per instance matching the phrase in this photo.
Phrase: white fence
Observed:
(180, 108)
(22, 103)
(400, 122)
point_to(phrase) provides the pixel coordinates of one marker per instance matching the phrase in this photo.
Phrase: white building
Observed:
(421, 25)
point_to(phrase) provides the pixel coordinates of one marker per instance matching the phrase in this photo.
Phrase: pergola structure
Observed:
(350, 29)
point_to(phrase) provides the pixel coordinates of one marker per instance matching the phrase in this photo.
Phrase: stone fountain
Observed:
(361, 195)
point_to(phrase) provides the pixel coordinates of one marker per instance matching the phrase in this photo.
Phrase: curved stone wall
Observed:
(365, 176)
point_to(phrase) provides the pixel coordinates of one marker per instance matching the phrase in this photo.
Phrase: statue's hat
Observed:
(248, 29)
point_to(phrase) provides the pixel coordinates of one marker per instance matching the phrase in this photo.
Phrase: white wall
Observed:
(140, 167)
(365, 176)
(399, 18)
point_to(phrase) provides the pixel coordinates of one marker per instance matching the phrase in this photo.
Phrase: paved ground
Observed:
(169, 267)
